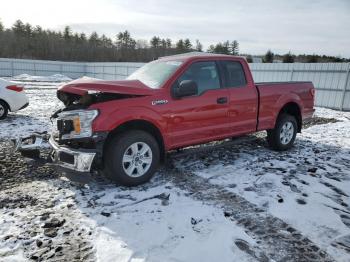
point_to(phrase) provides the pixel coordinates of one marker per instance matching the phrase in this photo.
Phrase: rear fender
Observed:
(285, 99)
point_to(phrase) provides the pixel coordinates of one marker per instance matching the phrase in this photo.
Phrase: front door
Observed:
(203, 117)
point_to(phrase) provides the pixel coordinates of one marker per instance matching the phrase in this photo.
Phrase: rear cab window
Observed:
(234, 76)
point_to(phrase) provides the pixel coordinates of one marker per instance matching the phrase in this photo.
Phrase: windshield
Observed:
(154, 74)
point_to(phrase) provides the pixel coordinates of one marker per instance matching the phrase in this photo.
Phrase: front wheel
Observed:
(132, 158)
(282, 137)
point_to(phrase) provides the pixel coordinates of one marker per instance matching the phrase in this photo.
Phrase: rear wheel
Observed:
(3, 110)
(282, 137)
(131, 158)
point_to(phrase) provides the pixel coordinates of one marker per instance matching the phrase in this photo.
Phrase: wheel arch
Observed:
(292, 108)
(7, 104)
(139, 124)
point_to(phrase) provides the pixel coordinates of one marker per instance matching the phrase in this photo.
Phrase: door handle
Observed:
(221, 100)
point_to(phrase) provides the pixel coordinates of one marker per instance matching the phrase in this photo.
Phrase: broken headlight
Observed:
(76, 123)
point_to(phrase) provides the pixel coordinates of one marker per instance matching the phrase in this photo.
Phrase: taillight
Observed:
(312, 92)
(15, 88)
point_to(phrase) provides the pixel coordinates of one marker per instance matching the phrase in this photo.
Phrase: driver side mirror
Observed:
(185, 88)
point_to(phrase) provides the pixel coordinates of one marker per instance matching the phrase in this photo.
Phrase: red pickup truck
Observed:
(124, 128)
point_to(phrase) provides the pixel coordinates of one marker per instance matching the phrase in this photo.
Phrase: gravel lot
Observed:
(225, 201)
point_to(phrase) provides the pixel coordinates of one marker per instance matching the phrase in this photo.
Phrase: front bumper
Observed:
(80, 160)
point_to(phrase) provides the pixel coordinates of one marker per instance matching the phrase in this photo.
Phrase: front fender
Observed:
(108, 121)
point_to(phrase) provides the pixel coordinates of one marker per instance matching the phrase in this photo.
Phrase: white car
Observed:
(12, 97)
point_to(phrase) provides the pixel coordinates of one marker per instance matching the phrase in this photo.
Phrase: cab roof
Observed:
(191, 55)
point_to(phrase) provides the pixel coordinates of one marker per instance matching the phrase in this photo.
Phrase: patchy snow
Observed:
(34, 118)
(178, 229)
(52, 78)
(156, 223)
(307, 187)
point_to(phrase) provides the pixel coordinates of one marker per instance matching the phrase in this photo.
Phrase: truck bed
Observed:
(273, 95)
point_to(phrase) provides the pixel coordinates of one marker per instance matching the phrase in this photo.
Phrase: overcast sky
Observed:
(299, 26)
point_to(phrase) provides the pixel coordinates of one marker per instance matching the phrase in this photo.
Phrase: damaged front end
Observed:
(73, 144)
(78, 155)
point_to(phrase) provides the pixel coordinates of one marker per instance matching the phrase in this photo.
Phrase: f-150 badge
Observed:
(159, 102)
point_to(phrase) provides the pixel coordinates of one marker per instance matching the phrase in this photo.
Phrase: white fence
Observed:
(13, 67)
(331, 80)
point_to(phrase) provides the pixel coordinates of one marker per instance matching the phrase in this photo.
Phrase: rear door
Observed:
(202, 117)
(243, 98)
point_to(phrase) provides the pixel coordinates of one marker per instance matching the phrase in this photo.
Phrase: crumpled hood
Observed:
(83, 85)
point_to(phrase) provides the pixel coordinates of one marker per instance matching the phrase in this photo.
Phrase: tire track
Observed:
(278, 240)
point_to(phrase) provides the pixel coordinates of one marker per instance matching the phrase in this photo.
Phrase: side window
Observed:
(204, 74)
(234, 74)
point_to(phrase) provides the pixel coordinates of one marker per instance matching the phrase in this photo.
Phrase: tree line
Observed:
(270, 57)
(23, 40)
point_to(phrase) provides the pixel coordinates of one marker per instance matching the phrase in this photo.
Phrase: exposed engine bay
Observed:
(74, 101)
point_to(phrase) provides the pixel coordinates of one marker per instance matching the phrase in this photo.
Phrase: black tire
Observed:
(115, 169)
(276, 139)
(3, 110)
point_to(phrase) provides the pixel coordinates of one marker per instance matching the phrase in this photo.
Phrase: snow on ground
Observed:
(301, 195)
(52, 78)
(35, 117)
(141, 227)
(307, 187)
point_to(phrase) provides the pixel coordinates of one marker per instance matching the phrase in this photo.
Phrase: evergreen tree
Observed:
(124, 40)
(187, 44)
(94, 39)
(222, 48)
(211, 49)
(269, 56)
(155, 42)
(234, 47)
(180, 47)
(18, 28)
(312, 58)
(288, 58)
(67, 33)
(37, 30)
(199, 46)
(226, 48)
(28, 30)
(163, 43)
(106, 42)
(82, 37)
(168, 43)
